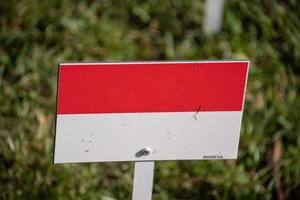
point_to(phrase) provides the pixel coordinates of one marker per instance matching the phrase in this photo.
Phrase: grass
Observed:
(36, 35)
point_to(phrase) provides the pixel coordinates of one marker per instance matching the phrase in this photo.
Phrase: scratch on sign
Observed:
(198, 110)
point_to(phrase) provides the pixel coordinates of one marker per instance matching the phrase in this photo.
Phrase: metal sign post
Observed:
(149, 111)
(213, 16)
(143, 180)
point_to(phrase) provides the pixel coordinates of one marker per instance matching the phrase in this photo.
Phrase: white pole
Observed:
(143, 180)
(213, 16)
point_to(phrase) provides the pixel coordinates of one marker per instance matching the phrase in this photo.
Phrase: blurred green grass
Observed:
(36, 35)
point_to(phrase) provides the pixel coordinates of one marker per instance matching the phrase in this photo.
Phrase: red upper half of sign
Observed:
(151, 87)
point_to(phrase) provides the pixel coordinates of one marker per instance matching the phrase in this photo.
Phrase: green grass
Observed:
(36, 35)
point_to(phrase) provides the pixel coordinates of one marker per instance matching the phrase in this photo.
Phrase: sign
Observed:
(147, 111)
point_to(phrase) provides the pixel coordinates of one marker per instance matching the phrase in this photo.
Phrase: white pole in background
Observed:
(213, 15)
(143, 180)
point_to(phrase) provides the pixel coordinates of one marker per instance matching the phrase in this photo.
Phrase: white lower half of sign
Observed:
(167, 136)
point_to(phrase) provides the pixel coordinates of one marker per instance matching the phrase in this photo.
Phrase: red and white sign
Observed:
(181, 110)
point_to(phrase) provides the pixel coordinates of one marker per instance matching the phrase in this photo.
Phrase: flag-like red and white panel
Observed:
(178, 110)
